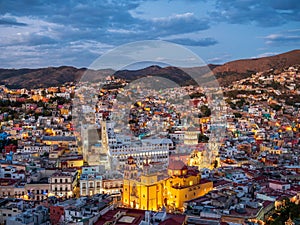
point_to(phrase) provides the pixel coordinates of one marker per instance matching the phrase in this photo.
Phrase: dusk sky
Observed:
(36, 33)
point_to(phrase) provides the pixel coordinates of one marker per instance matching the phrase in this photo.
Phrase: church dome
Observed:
(177, 165)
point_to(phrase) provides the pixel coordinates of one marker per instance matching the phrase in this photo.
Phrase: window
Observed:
(55, 180)
(91, 185)
(66, 180)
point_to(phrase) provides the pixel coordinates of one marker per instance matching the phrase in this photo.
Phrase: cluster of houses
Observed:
(64, 152)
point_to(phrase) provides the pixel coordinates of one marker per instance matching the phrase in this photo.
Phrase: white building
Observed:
(90, 184)
(11, 172)
(63, 184)
(279, 185)
(119, 147)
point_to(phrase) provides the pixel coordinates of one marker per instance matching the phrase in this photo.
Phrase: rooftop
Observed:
(131, 216)
(58, 138)
(177, 165)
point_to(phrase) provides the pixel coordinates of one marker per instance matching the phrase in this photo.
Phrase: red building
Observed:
(56, 214)
(10, 148)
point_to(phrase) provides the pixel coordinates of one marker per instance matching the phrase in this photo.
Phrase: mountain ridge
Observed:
(225, 73)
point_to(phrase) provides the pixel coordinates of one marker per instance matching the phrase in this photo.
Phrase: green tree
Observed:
(202, 138)
(205, 111)
(275, 107)
(215, 164)
(237, 115)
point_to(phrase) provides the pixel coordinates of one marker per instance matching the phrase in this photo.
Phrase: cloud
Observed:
(203, 42)
(39, 39)
(87, 27)
(220, 59)
(36, 32)
(267, 13)
(92, 46)
(70, 31)
(290, 37)
(56, 25)
(266, 54)
(284, 5)
(79, 53)
(178, 23)
(10, 21)
(84, 14)
(122, 31)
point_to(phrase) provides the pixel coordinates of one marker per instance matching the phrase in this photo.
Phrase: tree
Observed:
(43, 92)
(46, 154)
(24, 96)
(231, 104)
(197, 95)
(240, 103)
(205, 111)
(275, 107)
(289, 209)
(40, 104)
(215, 164)
(202, 138)
(237, 115)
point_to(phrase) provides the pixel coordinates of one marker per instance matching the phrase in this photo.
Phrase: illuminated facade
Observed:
(152, 190)
(191, 136)
(116, 148)
(196, 159)
(63, 184)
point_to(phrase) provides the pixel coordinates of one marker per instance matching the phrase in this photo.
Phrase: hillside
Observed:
(172, 73)
(47, 77)
(226, 73)
(42, 77)
(239, 69)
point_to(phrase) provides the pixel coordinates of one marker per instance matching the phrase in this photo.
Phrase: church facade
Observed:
(153, 190)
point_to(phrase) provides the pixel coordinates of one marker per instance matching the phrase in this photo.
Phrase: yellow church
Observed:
(152, 190)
